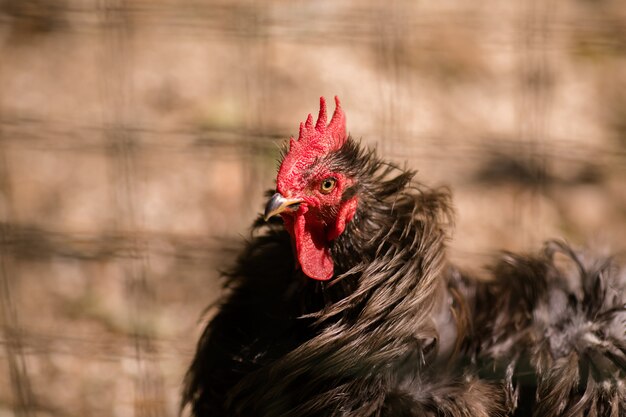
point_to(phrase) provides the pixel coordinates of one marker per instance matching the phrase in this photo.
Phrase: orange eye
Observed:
(328, 185)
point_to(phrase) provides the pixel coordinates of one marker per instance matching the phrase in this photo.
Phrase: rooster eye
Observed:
(328, 185)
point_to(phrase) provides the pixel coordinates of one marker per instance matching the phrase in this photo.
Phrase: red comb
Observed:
(322, 137)
(313, 142)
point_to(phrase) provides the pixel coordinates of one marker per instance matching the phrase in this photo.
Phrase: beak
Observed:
(278, 204)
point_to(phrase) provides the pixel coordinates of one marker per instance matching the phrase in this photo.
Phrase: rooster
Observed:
(343, 304)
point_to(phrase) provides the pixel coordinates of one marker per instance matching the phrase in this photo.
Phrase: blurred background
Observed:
(137, 138)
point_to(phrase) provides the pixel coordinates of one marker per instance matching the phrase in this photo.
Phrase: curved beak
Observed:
(278, 204)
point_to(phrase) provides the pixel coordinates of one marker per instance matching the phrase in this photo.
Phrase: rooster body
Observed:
(348, 307)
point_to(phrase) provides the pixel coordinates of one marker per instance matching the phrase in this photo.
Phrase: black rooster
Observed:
(348, 307)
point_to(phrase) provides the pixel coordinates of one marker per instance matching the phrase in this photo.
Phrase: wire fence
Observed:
(137, 139)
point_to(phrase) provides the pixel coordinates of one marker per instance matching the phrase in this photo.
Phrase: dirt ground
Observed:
(137, 138)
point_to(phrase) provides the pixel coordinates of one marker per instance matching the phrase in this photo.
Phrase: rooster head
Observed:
(313, 196)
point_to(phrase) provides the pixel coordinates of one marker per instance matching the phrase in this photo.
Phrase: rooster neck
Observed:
(394, 245)
(388, 264)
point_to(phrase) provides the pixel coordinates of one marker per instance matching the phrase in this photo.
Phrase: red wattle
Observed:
(311, 239)
(312, 248)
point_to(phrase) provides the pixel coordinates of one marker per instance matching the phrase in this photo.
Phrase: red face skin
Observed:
(320, 219)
